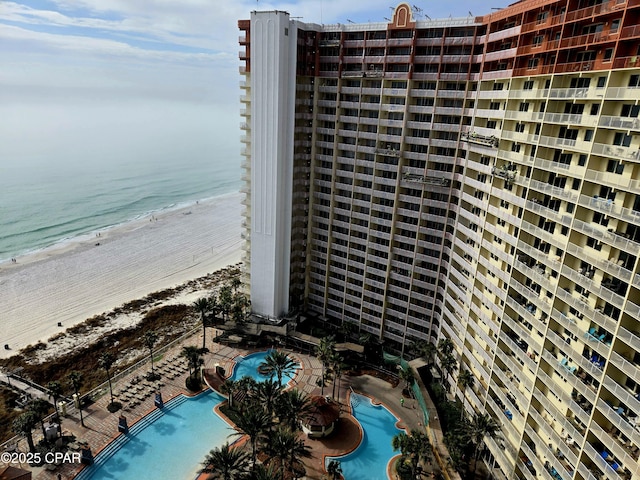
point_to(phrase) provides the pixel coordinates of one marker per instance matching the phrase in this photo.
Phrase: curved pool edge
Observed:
(377, 404)
(148, 418)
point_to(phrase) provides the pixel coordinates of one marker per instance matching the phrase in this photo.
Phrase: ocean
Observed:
(43, 202)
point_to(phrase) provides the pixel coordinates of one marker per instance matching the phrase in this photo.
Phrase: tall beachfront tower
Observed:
(269, 177)
(478, 179)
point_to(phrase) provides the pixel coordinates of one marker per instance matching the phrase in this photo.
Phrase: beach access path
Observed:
(48, 291)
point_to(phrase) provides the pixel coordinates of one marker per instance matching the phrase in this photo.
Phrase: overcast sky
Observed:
(85, 71)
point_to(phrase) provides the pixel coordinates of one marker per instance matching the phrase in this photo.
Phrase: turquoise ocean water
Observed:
(43, 202)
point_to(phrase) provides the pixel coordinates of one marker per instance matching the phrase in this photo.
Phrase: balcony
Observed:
(616, 151)
(624, 123)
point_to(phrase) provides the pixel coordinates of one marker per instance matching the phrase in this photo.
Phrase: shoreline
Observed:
(53, 289)
(61, 245)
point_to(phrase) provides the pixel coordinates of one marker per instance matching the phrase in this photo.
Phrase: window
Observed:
(630, 111)
(494, 106)
(498, 86)
(533, 63)
(528, 85)
(622, 139)
(615, 25)
(602, 81)
(608, 53)
(588, 135)
(537, 40)
(524, 106)
(493, 123)
(582, 160)
(634, 81)
(520, 127)
(595, 107)
(516, 147)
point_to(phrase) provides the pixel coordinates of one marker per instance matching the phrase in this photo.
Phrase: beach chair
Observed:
(591, 333)
(602, 337)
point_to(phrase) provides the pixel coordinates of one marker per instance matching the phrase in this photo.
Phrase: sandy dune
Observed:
(74, 281)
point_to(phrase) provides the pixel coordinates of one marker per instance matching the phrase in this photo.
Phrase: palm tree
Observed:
(482, 425)
(75, 380)
(334, 470)
(415, 447)
(253, 423)
(284, 445)
(408, 377)
(225, 463)
(106, 361)
(292, 408)
(23, 425)
(150, 340)
(277, 363)
(229, 387)
(262, 472)
(338, 366)
(203, 306)
(448, 364)
(225, 298)
(324, 351)
(425, 349)
(465, 379)
(445, 347)
(267, 393)
(193, 355)
(55, 393)
(40, 409)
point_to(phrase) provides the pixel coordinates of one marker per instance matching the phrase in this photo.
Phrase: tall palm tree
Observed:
(337, 366)
(284, 446)
(278, 363)
(334, 470)
(466, 380)
(324, 351)
(106, 361)
(203, 306)
(267, 393)
(445, 347)
(448, 364)
(23, 425)
(40, 409)
(150, 339)
(482, 425)
(55, 394)
(75, 380)
(225, 463)
(253, 423)
(228, 388)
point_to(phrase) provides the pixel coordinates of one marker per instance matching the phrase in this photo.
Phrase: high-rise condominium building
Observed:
(476, 179)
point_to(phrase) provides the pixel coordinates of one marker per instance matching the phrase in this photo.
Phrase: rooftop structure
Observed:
(475, 179)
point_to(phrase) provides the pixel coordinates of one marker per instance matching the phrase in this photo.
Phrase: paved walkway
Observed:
(101, 426)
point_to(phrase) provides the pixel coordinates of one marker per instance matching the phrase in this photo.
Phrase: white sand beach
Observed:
(71, 282)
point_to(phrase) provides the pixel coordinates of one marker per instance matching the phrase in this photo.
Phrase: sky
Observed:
(79, 75)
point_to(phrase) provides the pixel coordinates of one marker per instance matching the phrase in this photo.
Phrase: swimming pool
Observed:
(171, 443)
(369, 461)
(248, 367)
(166, 444)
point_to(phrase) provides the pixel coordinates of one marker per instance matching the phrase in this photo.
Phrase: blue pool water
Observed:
(369, 461)
(248, 366)
(167, 444)
(171, 443)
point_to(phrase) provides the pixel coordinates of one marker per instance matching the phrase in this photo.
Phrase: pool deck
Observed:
(102, 426)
